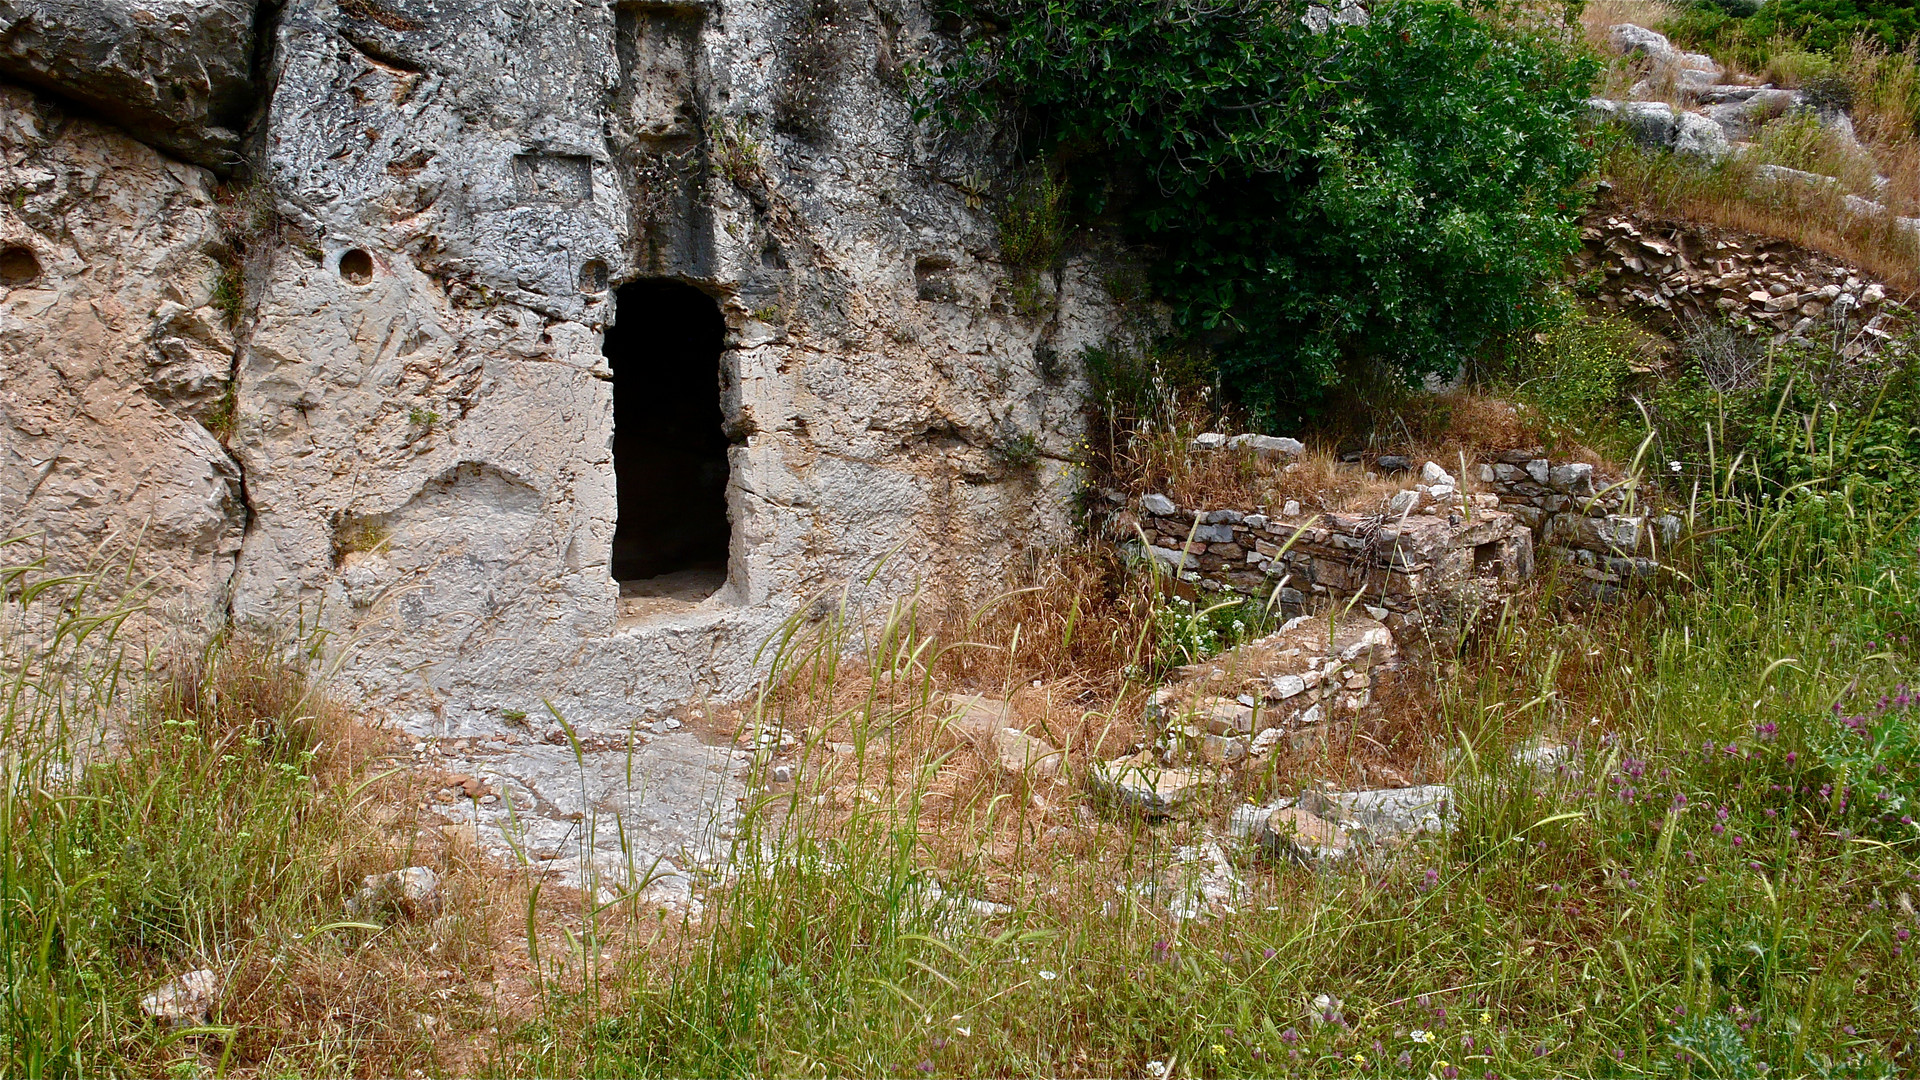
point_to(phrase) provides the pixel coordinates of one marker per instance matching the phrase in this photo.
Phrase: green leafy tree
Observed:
(1393, 192)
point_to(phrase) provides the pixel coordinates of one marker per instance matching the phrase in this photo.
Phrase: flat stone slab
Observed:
(647, 817)
(1136, 784)
(1294, 833)
(1386, 814)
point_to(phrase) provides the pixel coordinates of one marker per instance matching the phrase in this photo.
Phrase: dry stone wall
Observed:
(420, 459)
(1609, 530)
(1411, 563)
(1686, 275)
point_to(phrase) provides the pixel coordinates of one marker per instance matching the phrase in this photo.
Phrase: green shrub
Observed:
(1733, 29)
(1315, 198)
(1575, 375)
(1186, 633)
(1032, 233)
(1813, 426)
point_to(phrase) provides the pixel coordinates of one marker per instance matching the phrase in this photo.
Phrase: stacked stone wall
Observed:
(1608, 529)
(1407, 563)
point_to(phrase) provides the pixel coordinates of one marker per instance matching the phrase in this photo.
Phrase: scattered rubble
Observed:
(1199, 881)
(1292, 832)
(1305, 682)
(1383, 816)
(1137, 784)
(986, 723)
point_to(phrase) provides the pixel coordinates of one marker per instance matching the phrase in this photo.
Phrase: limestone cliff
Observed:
(422, 256)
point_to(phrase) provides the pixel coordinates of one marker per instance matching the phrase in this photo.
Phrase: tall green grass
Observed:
(1704, 885)
(160, 814)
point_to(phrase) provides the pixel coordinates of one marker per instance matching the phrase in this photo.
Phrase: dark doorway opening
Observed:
(669, 446)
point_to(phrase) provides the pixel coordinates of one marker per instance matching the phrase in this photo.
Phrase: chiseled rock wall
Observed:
(457, 187)
(113, 360)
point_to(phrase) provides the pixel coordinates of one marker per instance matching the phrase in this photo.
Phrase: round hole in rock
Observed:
(18, 265)
(593, 276)
(356, 266)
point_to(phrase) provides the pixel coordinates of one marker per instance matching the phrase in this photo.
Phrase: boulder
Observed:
(1650, 123)
(1627, 39)
(1698, 136)
(175, 74)
(1157, 505)
(1271, 447)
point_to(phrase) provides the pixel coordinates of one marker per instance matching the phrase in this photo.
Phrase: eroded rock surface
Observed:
(114, 359)
(649, 816)
(177, 73)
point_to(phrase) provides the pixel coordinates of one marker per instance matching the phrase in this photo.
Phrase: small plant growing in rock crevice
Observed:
(819, 46)
(738, 156)
(1017, 453)
(1032, 233)
(356, 537)
(220, 418)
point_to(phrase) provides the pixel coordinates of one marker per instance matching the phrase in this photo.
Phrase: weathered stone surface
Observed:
(177, 74)
(113, 359)
(185, 1000)
(1386, 814)
(413, 892)
(1137, 784)
(1651, 123)
(456, 187)
(644, 813)
(1698, 136)
(1269, 446)
(1292, 832)
(1199, 882)
(1020, 756)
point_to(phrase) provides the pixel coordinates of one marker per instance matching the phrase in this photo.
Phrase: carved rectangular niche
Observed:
(553, 178)
(658, 136)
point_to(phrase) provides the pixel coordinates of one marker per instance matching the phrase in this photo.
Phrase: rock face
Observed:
(422, 416)
(178, 72)
(114, 359)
